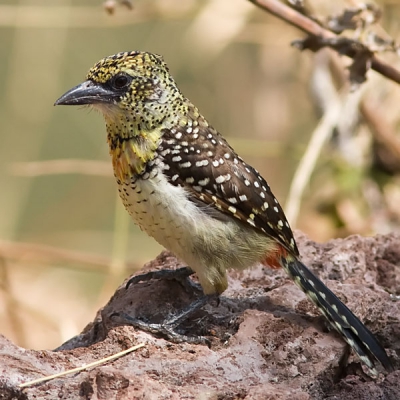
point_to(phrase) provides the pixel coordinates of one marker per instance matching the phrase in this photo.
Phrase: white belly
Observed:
(162, 211)
(208, 245)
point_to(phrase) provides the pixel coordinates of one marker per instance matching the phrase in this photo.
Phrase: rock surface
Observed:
(267, 341)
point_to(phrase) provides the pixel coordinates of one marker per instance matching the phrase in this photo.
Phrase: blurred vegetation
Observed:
(65, 240)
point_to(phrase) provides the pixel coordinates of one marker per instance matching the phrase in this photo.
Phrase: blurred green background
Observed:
(65, 241)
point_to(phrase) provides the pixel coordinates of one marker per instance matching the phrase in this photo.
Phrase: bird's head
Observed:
(139, 100)
(131, 86)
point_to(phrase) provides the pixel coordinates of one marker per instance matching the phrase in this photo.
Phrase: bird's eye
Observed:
(120, 81)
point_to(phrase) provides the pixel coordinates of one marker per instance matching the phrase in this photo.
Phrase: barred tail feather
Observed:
(353, 331)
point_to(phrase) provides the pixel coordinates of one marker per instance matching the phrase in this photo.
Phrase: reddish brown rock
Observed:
(267, 340)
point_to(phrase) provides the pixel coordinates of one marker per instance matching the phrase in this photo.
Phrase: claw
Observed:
(167, 328)
(177, 274)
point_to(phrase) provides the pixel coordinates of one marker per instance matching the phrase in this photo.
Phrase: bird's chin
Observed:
(110, 111)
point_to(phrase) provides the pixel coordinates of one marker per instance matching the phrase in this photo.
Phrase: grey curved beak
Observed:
(87, 92)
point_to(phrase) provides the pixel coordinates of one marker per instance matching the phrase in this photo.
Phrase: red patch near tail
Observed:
(273, 258)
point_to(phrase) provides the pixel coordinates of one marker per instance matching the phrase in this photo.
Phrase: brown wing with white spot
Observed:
(198, 157)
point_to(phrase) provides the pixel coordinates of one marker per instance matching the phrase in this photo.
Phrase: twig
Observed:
(51, 167)
(303, 172)
(83, 367)
(119, 251)
(18, 251)
(315, 30)
(326, 97)
(60, 16)
(12, 307)
(340, 110)
(383, 133)
(381, 130)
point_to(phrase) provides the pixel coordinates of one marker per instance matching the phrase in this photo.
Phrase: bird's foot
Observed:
(168, 326)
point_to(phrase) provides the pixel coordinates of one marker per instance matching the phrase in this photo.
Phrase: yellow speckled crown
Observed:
(130, 61)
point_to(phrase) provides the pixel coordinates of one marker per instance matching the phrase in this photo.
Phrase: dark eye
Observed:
(120, 81)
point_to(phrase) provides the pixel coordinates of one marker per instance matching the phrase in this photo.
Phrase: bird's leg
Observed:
(167, 327)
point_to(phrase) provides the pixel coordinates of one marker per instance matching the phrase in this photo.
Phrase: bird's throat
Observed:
(131, 151)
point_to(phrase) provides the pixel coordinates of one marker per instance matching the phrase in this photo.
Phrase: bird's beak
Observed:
(87, 92)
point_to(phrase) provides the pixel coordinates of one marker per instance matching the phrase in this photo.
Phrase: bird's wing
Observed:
(199, 159)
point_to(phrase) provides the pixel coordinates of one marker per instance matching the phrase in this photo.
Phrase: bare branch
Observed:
(42, 253)
(320, 37)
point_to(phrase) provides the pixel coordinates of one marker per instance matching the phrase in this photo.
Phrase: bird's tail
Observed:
(353, 331)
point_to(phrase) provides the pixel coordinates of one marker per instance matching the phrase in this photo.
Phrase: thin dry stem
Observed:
(310, 27)
(83, 367)
(307, 164)
(11, 305)
(54, 167)
(36, 252)
(120, 247)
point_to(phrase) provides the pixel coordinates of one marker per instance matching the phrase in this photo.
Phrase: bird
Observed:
(185, 186)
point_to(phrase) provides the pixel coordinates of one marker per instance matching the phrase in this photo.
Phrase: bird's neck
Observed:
(133, 141)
